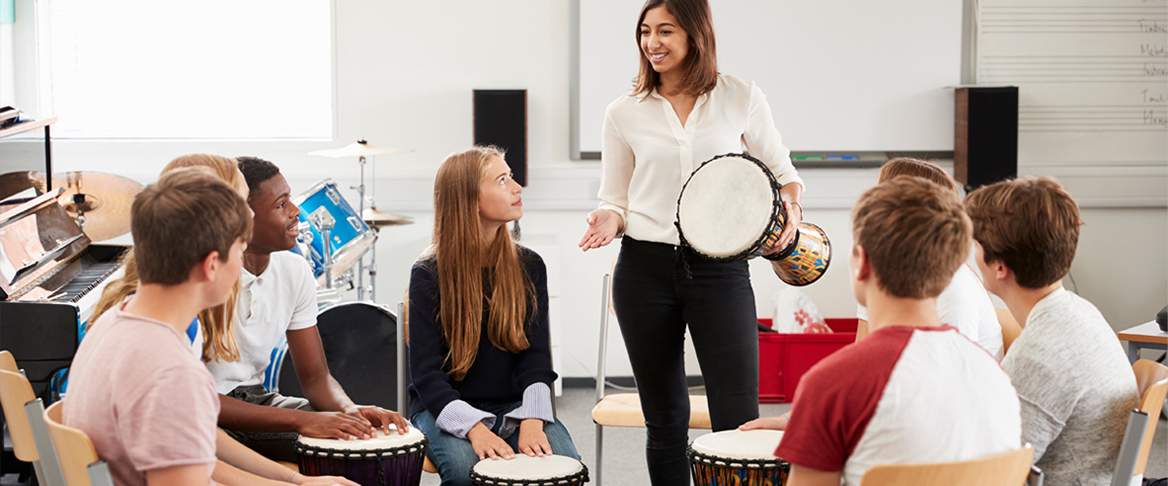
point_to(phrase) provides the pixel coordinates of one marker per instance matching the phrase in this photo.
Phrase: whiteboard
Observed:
(842, 75)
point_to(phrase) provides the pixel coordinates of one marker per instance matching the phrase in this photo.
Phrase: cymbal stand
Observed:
(373, 248)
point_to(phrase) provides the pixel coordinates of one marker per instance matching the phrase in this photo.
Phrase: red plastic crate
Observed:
(784, 358)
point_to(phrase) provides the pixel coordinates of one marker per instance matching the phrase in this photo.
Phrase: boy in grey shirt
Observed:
(1073, 379)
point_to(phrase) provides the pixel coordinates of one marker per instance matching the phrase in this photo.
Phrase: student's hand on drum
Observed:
(532, 440)
(335, 425)
(322, 481)
(772, 423)
(487, 444)
(381, 417)
(603, 225)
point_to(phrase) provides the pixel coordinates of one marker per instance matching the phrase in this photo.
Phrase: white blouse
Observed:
(648, 155)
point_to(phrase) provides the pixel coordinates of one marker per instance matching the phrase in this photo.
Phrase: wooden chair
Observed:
(26, 424)
(403, 317)
(1152, 380)
(79, 460)
(624, 409)
(1008, 469)
(1010, 328)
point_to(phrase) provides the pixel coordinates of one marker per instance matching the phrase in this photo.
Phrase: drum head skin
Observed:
(526, 468)
(379, 442)
(740, 444)
(727, 206)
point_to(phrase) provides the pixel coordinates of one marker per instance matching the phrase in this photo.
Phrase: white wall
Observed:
(404, 76)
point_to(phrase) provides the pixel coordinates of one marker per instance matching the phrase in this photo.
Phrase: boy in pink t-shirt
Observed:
(149, 406)
(914, 390)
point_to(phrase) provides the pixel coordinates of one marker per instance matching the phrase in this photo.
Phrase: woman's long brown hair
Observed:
(700, 66)
(218, 323)
(458, 249)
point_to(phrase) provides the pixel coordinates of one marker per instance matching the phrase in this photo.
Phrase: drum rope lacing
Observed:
(768, 464)
(776, 204)
(580, 477)
(357, 455)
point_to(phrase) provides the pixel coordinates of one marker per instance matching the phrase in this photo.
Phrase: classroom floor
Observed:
(624, 448)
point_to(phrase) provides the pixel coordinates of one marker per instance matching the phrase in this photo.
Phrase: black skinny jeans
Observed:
(658, 289)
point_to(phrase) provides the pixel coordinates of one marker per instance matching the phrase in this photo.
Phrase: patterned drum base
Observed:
(808, 261)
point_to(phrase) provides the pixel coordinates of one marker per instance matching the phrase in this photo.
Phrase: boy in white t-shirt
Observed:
(146, 402)
(915, 390)
(278, 298)
(964, 304)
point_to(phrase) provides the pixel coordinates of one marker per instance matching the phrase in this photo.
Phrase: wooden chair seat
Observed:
(624, 410)
(1008, 469)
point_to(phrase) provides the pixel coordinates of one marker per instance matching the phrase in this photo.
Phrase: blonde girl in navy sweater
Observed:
(479, 349)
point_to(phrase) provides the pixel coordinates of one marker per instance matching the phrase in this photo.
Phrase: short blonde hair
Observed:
(908, 166)
(916, 235)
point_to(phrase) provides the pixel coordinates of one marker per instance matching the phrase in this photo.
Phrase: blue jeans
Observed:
(454, 456)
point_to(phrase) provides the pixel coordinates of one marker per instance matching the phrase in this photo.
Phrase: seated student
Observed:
(146, 402)
(479, 350)
(1068, 366)
(216, 325)
(278, 298)
(915, 390)
(964, 304)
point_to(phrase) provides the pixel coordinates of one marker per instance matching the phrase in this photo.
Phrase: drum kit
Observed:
(332, 235)
(731, 209)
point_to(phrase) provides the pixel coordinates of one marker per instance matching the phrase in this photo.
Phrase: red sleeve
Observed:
(837, 398)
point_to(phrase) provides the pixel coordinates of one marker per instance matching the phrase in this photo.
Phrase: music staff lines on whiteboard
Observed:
(1127, 118)
(1077, 20)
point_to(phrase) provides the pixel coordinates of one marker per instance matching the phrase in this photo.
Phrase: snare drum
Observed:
(385, 460)
(525, 470)
(731, 209)
(349, 236)
(736, 457)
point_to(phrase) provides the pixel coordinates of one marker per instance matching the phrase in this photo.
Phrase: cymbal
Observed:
(103, 199)
(358, 149)
(378, 219)
(13, 183)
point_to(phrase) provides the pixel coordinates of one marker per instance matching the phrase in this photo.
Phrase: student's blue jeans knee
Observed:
(454, 456)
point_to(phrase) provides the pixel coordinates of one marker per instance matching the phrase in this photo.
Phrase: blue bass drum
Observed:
(350, 236)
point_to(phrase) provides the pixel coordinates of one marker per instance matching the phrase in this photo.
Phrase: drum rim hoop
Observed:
(713, 460)
(579, 477)
(778, 203)
(419, 447)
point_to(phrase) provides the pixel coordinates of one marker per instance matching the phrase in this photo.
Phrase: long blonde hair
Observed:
(458, 249)
(218, 323)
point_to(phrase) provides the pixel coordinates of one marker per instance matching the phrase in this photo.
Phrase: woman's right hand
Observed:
(603, 225)
(487, 444)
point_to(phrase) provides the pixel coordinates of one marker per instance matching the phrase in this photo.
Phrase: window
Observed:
(208, 69)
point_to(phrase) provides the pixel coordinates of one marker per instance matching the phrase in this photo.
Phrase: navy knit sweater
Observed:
(496, 375)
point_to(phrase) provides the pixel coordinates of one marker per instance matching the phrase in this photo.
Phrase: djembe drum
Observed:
(737, 457)
(731, 209)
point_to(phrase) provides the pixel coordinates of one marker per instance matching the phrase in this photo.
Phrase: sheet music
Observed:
(1092, 77)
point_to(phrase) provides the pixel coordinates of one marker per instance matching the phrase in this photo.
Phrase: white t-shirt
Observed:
(966, 306)
(903, 395)
(281, 299)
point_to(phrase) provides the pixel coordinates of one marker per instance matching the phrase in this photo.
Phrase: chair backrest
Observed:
(1008, 469)
(1152, 379)
(1010, 328)
(15, 391)
(73, 447)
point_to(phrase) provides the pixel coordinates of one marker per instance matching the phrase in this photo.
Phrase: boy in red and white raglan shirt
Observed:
(914, 390)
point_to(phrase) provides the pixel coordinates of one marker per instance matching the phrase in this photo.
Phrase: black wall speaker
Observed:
(500, 119)
(986, 140)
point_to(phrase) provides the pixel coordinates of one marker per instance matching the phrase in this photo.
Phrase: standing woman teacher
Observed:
(681, 113)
